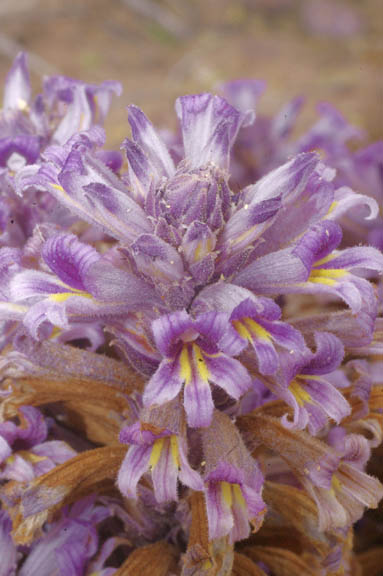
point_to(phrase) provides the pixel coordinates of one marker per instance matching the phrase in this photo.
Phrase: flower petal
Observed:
(69, 258)
(134, 465)
(17, 89)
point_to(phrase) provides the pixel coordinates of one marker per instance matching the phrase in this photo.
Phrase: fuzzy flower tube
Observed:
(191, 339)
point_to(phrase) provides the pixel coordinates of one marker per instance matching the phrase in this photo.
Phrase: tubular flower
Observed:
(194, 358)
(190, 340)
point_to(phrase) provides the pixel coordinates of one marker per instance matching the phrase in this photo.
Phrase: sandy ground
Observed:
(327, 49)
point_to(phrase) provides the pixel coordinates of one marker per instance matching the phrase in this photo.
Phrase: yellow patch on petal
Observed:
(327, 276)
(186, 371)
(28, 456)
(201, 364)
(332, 207)
(325, 260)
(336, 484)
(249, 329)
(244, 236)
(175, 451)
(63, 296)
(227, 495)
(57, 187)
(156, 453)
(301, 396)
(238, 496)
(203, 248)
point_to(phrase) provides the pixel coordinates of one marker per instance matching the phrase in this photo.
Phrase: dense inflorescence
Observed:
(191, 346)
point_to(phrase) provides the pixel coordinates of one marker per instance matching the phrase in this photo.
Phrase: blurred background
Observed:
(158, 49)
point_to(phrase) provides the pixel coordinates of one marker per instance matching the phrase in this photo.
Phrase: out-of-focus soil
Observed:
(159, 50)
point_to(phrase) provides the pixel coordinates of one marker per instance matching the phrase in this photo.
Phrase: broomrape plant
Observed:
(191, 346)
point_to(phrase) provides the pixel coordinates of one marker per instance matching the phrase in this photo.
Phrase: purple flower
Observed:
(162, 451)
(256, 322)
(25, 452)
(194, 357)
(307, 388)
(233, 482)
(232, 333)
(67, 544)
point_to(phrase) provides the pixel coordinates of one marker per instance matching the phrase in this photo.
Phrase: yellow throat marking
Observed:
(301, 396)
(327, 276)
(247, 328)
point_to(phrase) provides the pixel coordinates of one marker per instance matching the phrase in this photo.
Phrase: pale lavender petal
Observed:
(346, 199)
(78, 116)
(134, 465)
(198, 402)
(291, 177)
(32, 283)
(140, 173)
(157, 259)
(108, 283)
(224, 297)
(187, 475)
(207, 120)
(229, 374)
(93, 192)
(164, 385)
(363, 257)
(328, 356)
(267, 356)
(219, 515)
(17, 89)
(165, 475)
(147, 138)
(274, 273)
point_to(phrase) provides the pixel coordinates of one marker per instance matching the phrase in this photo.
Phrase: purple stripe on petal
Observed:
(362, 257)
(328, 398)
(164, 385)
(169, 328)
(69, 258)
(165, 475)
(219, 514)
(318, 242)
(134, 465)
(34, 284)
(289, 178)
(108, 283)
(157, 259)
(205, 120)
(273, 273)
(229, 374)
(198, 403)
(147, 138)
(267, 356)
(93, 192)
(328, 356)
